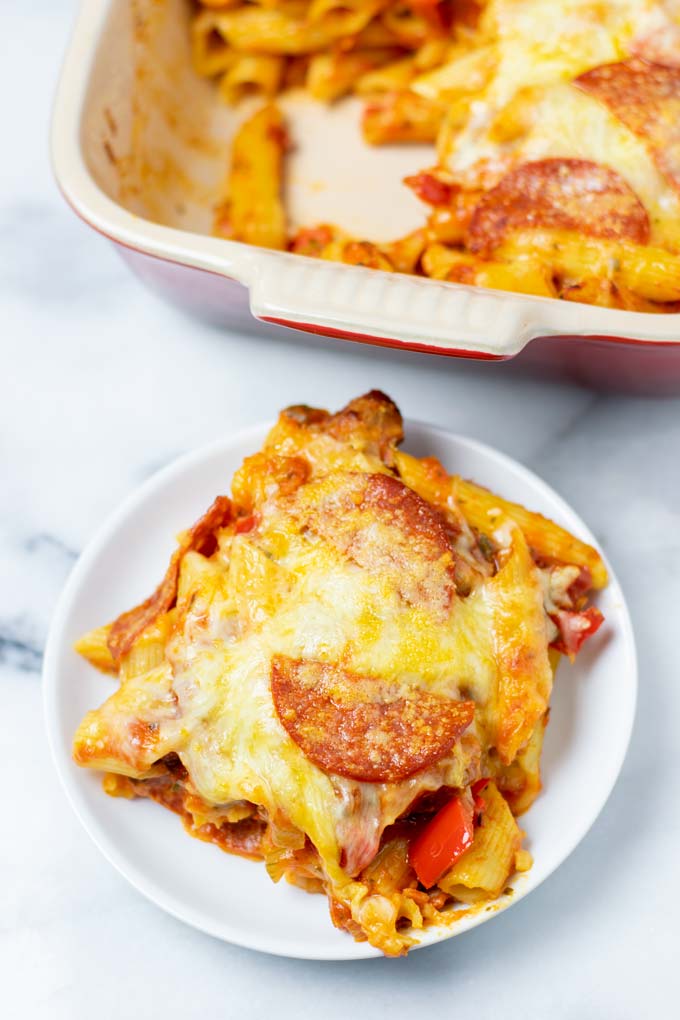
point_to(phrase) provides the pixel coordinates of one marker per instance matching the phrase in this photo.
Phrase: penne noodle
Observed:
(439, 261)
(524, 674)
(375, 34)
(400, 117)
(653, 273)
(481, 508)
(211, 54)
(148, 651)
(485, 868)
(389, 78)
(254, 210)
(528, 277)
(520, 782)
(330, 10)
(93, 646)
(357, 253)
(252, 73)
(411, 28)
(463, 75)
(331, 75)
(404, 253)
(257, 30)
(546, 539)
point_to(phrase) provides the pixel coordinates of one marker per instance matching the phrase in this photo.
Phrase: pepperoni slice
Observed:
(200, 538)
(646, 98)
(388, 529)
(359, 727)
(563, 194)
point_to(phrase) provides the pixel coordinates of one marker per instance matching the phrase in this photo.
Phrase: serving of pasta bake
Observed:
(555, 166)
(346, 671)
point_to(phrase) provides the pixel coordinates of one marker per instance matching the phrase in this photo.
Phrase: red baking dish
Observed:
(140, 148)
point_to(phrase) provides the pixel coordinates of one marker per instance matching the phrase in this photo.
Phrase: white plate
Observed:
(233, 899)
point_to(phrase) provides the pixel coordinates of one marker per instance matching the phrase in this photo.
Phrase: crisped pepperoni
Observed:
(646, 98)
(360, 727)
(388, 529)
(564, 194)
(200, 538)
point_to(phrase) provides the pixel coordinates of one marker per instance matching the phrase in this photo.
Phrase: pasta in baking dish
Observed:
(346, 672)
(554, 126)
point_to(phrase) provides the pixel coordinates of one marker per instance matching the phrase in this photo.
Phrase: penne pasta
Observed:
(400, 117)
(411, 27)
(482, 508)
(467, 73)
(148, 651)
(259, 30)
(653, 273)
(252, 73)
(93, 646)
(485, 868)
(524, 674)
(520, 781)
(528, 277)
(546, 538)
(331, 75)
(404, 254)
(331, 10)
(357, 253)
(392, 77)
(254, 209)
(211, 54)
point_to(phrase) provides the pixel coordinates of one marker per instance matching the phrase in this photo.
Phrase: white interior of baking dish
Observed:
(157, 138)
(141, 149)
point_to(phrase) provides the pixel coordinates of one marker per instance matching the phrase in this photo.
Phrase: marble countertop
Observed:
(84, 349)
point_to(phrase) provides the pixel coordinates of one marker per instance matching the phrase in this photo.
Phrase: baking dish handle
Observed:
(409, 311)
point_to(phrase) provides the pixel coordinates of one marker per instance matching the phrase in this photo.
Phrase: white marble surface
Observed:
(102, 384)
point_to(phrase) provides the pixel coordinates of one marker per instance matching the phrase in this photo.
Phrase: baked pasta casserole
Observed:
(346, 673)
(554, 127)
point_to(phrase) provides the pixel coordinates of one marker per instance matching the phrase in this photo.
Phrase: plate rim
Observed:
(163, 898)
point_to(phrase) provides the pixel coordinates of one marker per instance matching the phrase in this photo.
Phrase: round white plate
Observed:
(592, 714)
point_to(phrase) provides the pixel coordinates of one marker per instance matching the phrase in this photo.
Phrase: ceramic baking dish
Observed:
(140, 147)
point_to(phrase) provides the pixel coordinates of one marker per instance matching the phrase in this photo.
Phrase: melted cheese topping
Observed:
(529, 110)
(307, 601)
(282, 590)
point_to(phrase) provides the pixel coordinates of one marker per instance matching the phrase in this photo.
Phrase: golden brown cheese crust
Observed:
(387, 529)
(646, 98)
(561, 194)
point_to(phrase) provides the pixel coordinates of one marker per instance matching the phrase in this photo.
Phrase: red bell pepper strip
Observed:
(443, 840)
